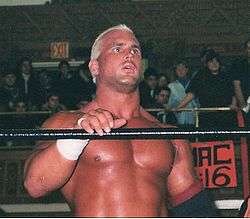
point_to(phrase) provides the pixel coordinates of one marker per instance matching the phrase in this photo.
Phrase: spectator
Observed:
(163, 81)
(20, 107)
(148, 86)
(47, 81)
(241, 79)
(162, 97)
(214, 88)
(29, 85)
(86, 85)
(66, 86)
(53, 104)
(178, 92)
(9, 92)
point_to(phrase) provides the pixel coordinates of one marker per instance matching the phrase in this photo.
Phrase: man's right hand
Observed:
(99, 121)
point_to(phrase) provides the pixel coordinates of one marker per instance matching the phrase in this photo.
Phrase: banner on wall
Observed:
(215, 163)
(59, 50)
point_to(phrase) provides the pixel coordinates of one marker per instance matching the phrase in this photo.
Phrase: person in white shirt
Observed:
(178, 92)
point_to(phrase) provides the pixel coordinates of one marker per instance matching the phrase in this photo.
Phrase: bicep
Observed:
(183, 173)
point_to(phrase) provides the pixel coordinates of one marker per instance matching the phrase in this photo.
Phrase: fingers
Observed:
(99, 121)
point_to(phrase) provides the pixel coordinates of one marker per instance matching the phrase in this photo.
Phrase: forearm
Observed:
(185, 100)
(239, 95)
(46, 170)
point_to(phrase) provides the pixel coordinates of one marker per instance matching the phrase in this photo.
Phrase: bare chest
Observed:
(156, 155)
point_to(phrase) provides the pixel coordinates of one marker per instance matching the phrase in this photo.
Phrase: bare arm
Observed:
(183, 182)
(46, 170)
(233, 105)
(239, 94)
(52, 165)
(189, 96)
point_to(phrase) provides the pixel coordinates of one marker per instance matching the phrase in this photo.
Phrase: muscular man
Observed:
(109, 177)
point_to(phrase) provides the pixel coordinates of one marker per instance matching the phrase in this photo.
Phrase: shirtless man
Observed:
(101, 178)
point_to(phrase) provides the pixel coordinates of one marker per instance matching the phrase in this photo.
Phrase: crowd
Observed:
(43, 90)
(213, 85)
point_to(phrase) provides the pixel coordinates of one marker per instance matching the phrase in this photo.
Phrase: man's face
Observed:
(181, 70)
(53, 101)
(26, 68)
(152, 81)
(163, 97)
(119, 63)
(163, 81)
(213, 65)
(20, 107)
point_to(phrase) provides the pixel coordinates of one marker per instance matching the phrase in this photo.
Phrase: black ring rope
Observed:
(121, 133)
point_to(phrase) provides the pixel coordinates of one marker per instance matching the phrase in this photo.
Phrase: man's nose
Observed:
(129, 54)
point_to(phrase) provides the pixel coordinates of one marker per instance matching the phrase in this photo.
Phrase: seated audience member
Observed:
(20, 106)
(53, 104)
(47, 81)
(178, 92)
(148, 86)
(66, 86)
(86, 85)
(163, 81)
(214, 88)
(162, 98)
(29, 85)
(9, 92)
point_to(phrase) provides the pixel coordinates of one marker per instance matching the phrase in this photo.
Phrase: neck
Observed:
(121, 105)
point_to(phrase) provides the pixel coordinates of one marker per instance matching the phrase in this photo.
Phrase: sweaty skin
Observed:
(113, 178)
(125, 177)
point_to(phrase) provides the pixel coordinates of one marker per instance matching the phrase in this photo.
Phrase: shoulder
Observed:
(152, 119)
(62, 120)
(172, 84)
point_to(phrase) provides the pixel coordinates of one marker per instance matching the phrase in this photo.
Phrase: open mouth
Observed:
(129, 67)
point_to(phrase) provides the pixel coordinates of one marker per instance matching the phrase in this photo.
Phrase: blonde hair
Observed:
(96, 48)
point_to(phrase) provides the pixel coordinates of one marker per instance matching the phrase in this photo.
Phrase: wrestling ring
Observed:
(241, 134)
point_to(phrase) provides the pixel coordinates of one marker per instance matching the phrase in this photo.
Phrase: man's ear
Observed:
(94, 67)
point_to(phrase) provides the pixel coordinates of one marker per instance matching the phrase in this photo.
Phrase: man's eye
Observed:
(116, 49)
(135, 51)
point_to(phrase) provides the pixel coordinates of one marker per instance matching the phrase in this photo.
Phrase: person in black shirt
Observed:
(29, 85)
(241, 76)
(148, 87)
(86, 86)
(67, 86)
(161, 102)
(214, 88)
(241, 79)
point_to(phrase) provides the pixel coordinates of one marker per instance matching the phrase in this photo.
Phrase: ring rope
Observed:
(121, 133)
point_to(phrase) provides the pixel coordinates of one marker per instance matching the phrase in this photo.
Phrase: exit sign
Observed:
(59, 50)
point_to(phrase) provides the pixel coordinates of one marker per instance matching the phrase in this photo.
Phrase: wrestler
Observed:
(110, 177)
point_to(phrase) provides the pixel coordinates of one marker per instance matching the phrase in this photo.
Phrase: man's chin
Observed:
(127, 86)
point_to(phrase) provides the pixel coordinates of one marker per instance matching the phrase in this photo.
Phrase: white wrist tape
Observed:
(71, 148)
(79, 121)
